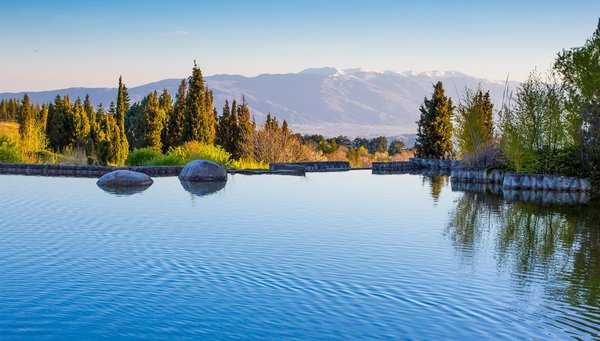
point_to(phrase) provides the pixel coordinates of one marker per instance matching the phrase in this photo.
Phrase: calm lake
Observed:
(347, 255)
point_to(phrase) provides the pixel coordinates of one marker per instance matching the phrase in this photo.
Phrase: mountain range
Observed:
(328, 101)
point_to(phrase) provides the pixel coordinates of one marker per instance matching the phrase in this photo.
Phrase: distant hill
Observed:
(328, 101)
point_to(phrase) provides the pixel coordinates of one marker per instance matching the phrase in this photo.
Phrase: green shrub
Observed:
(565, 161)
(142, 156)
(8, 151)
(197, 151)
(167, 160)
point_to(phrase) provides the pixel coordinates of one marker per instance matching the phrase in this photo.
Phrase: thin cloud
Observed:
(178, 33)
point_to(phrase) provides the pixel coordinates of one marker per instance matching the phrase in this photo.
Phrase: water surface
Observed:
(327, 256)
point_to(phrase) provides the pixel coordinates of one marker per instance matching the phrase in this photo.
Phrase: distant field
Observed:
(10, 129)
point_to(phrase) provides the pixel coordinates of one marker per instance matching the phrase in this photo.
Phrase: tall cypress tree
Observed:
(121, 144)
(195, 124)
(175, 127)
(166, 105)
(209, 117)
(234, 129)
(434, 135)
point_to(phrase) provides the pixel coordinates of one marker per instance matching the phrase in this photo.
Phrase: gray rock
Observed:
(203, 170)
(124, 178)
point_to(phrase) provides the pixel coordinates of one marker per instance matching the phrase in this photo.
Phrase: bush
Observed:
(561, 161)
(142, 156)
(194, 150)
(8, 151)
(167, 160)
(247, 163)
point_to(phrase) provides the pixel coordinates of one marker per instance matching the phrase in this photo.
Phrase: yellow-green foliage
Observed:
(187, 152)
(247, 163)
(194, 150)
(142, 156)
(10, 129)
(8, 150)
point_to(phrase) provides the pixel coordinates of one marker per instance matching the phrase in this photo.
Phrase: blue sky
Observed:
(54, 44)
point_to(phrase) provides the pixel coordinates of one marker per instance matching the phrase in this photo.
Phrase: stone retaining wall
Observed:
(325, 166)
(82, 171)
(478, 175)
(510, 180)
(437, 164)
(416, 164)
(385, 167)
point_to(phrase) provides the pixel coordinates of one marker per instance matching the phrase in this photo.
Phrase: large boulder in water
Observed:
(203, 170)
(124, 178)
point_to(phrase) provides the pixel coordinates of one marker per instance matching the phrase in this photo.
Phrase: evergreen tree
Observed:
(209, 117)
(43, 118)
(134, 126)
(154, 117)
(475, 127)
(487, 109)
(70, 124)
(195, 124)
(175, 126)
(378, 145)
(223, 137)
(94, 135)
(434, 134)
(166, 104)
(121, 145)
(396, 147)
(26, 117)
(244, 132)
(55, 125)
(285, 128)
(81, 123)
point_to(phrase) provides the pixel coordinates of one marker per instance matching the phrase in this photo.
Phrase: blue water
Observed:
(327, 256)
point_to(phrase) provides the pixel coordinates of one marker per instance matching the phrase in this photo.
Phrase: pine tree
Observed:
(26, 118)
(209, 117)
(121, 144)
(93, 137)
(55, 125)
(166, 104)
(434, 134)
(488, 115)
(474, 126)
(175, 126)
(195, 124)
(245, 131)
(284, 128)
(82, 124)
(223, 137)
(43, 118)
(154, 117)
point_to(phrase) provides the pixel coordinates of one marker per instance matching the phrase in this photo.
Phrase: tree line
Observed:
(157, 122)
(550, 124)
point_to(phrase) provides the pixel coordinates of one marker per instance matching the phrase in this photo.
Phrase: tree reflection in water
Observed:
(559, 244)
(436, 182)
